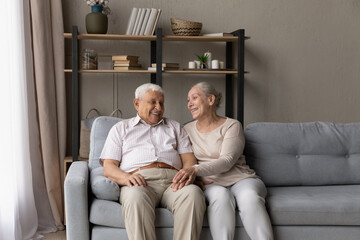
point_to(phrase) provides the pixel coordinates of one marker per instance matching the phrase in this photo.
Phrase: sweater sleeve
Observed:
(231, 150)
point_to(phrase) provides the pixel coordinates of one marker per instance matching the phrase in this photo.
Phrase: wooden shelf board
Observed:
(111, 71)
(165, 71)
(112, 37)
(201, 38)
(201, 71)
(153, 38)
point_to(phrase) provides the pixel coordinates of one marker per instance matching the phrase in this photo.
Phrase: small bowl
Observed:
(185, 28)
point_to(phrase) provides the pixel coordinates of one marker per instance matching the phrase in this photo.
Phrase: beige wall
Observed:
(304, 57)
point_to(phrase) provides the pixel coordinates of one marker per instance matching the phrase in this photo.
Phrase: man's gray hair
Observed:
(208, 90)
(141, 90)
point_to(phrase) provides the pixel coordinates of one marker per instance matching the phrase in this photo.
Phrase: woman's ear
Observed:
(211, 99)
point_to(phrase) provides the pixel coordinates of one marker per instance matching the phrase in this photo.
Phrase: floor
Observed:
(60, 235)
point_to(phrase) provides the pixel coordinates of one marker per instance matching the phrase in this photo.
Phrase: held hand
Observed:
(186, 175)
(177, 186)
(135, 180)
(202, 184)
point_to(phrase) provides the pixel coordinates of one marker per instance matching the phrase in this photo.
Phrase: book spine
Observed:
(156, 21)
(127, 65)
(146, 19)
(124, 57)
(136, 22)
(131, 22)
(150, 22)
(141, 19)
(126, 61)
(127, 68)
(218, 34)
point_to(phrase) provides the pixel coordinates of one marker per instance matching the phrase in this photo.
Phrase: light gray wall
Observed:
(304, 57)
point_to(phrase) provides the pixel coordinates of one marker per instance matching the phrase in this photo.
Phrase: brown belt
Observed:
(154, 165)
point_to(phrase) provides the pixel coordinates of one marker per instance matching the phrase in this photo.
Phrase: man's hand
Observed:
(186, 175)
(114, 173)
(135, 180)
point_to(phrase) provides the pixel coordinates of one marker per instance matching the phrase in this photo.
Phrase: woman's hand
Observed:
(186, 175)
(177, 186)
(202, 184)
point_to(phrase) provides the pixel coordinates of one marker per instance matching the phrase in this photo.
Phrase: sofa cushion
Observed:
(109, 213)
(314, 205)
(99, 131)
(291, 154)
(102, 187)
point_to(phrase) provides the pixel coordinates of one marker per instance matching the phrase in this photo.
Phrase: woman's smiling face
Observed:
(198, 103)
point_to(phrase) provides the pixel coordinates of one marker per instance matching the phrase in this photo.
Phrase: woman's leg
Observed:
(250, 196)
(221, 212)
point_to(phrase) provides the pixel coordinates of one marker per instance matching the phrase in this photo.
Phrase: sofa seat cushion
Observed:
(314, 205)
(109, 213)
(102, 187)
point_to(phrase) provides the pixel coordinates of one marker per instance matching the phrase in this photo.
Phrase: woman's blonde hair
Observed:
(208, 90)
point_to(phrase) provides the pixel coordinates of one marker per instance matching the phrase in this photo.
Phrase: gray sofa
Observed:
(312, 171)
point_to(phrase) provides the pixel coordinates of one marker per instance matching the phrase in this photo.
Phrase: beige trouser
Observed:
(139, 203)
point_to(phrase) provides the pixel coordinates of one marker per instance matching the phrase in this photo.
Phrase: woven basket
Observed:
(185, 28)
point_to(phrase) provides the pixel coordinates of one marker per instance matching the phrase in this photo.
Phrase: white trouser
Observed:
(249, 195)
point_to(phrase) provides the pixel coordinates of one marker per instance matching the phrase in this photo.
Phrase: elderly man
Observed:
(143, 154)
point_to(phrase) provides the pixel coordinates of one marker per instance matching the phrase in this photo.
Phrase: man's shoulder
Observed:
(125, 122)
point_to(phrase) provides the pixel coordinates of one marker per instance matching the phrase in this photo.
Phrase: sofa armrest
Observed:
(76, 201)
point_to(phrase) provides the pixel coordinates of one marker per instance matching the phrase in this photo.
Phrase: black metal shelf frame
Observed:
(156, 56)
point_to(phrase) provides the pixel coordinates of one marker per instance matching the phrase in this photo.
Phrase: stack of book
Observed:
(164, 66)
(143, 21)
(126, 62)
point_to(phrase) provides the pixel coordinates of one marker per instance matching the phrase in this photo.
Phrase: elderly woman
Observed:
(218, 144)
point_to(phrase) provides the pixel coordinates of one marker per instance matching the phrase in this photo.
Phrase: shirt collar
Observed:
(138, 120)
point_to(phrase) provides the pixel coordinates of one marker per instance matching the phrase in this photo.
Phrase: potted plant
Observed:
(203, 59)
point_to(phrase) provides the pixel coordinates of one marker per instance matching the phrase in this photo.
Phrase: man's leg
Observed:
(139, 212)
(188, 207)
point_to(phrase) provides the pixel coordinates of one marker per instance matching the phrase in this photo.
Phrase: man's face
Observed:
(151, 107)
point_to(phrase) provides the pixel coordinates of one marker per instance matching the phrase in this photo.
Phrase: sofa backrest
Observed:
(98, 135)
(310, 154)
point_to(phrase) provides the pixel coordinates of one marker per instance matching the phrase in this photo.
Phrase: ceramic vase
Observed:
(96, 22)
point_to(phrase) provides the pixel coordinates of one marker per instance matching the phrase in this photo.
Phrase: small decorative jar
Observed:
(96, 21)
(89, 59)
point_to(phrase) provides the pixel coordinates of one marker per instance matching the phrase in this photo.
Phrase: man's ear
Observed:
(136, 104)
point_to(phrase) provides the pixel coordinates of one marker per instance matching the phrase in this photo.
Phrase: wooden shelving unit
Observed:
(153, 38)
(156, 45)
(165, 71)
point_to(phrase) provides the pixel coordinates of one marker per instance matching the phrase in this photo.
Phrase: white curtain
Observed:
(24, 205)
